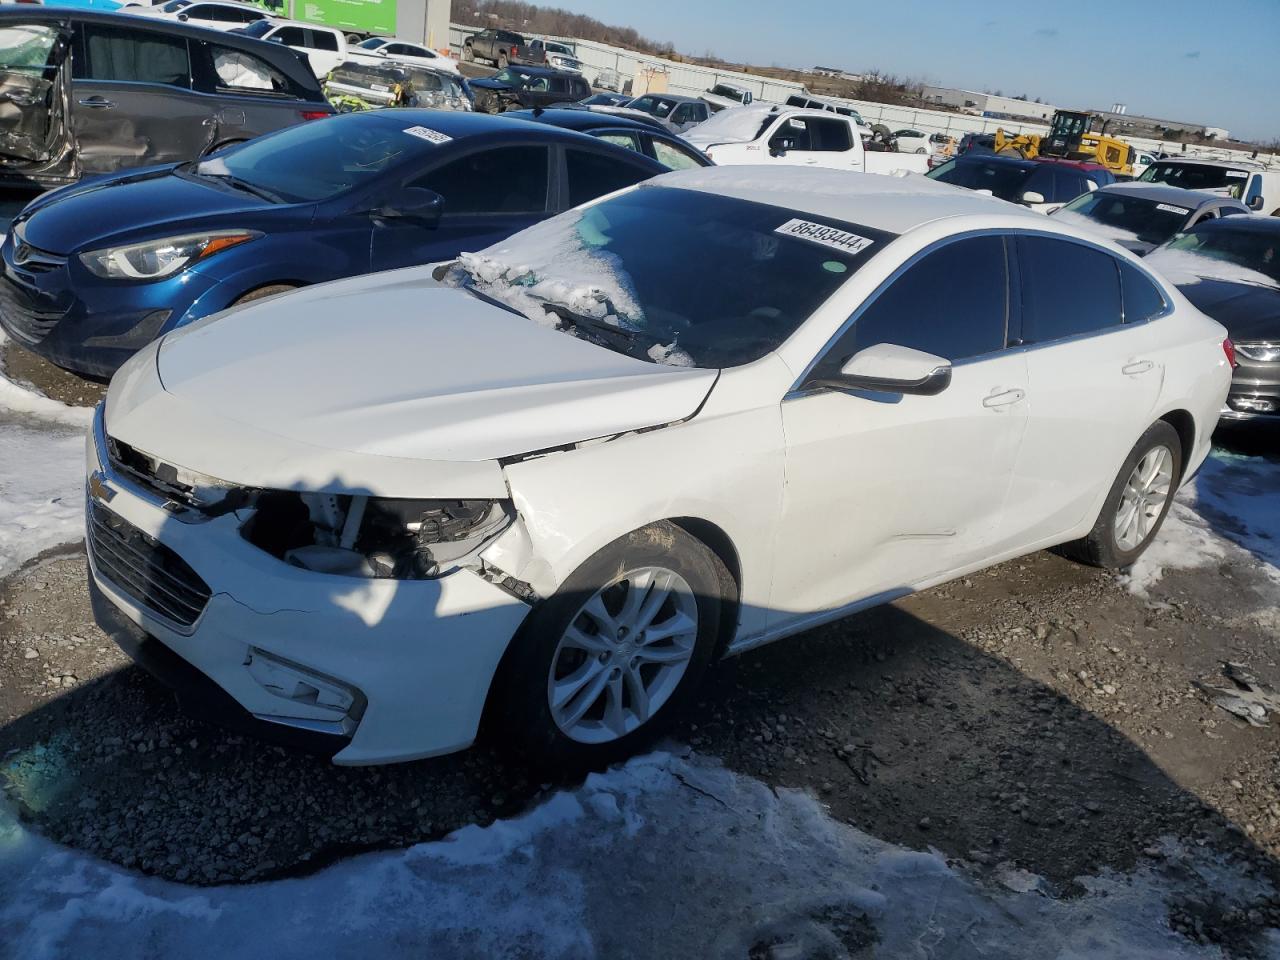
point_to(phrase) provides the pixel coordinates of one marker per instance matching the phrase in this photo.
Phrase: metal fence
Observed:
(691, 80)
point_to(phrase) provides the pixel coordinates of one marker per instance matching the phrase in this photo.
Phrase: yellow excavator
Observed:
(1073, 135)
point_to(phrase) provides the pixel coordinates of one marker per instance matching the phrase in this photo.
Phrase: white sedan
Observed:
(551, 482)
(214, 14)
(377, 49)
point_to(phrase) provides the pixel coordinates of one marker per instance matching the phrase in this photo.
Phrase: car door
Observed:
(1093, 378)
(132, 99)
(788, 141)
(488, 195)
(884, 491)
(249, 96)
(34, 81)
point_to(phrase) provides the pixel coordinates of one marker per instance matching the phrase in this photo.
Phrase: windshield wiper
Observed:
(245, 186)
(604, 334)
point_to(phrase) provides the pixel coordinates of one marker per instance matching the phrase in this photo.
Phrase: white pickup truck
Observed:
(766, 133)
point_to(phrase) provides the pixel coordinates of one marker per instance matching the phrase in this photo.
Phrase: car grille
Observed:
(144, 569)
(21, 318)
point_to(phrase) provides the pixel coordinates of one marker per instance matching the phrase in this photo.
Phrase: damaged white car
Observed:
(550, 483)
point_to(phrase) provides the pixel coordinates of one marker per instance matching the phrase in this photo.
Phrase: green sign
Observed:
(359, 16)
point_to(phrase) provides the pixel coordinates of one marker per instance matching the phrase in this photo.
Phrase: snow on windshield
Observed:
(736, 124)
(1183, 266)
(1108, 230)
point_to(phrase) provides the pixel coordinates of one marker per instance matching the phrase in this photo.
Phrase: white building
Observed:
(987, 104)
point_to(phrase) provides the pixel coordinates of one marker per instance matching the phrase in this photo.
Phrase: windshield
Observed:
(512, 76)
(258, 28)
(601, 100)
(721, 90)
(735, 125)
(656, 106)
(320, 159)
(1126, 217)
(1258, 251)
(1196, 176)
(673, 276)
(173, 6)
(1002, 179)
(558, 48)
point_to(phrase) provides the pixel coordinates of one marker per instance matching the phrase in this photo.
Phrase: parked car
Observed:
(95, 272)
(810, 102)
(1230, 270)
(1142, 160)
(1044, 187)
(142, 92)
(605, 100)
(609, 79)
(1142, 216)
(911, 141)
(549, 53)
(411, 53)
(762, 133)
(500, 47)
(563, 475)
(359, 85)
(324, 47)
(979, 144)
(518, 87)
(213, 14)
(725, 95)
(668, 149)
(1256, 187)
(681, 112)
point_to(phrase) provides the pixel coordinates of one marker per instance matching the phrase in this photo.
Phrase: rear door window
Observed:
(135, 56)
(1068, 289)
(239, 72)
(830, 135)
(952, 303)
(593, 175)
(323, 40)
(508, 180)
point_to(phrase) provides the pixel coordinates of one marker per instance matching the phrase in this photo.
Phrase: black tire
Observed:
(263, 292)
(1100, 548)
(521, 693)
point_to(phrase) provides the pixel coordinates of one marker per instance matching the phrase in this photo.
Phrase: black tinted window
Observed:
(792, 135)
(832, 135)
(1067, 289)
(136, 55)
(1142, 298)
(291, 36)
(953, 303)
(507, 180)
(593, 175)
(323, 40)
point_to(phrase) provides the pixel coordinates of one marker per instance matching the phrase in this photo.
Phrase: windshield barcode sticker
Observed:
(1238, 174)
(426, 133)
(1170, 208)
(842, 240)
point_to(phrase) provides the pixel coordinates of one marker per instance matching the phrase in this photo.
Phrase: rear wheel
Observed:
(1137, 503)
(601, 667)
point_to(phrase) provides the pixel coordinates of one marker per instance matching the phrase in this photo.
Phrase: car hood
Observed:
(87, 215)
(1248, 311)
(488, 83)
(348, 385)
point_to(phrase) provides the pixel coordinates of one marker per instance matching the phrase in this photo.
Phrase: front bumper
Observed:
(388, 670)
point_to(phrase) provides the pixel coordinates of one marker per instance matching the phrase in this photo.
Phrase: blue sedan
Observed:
(95, 271)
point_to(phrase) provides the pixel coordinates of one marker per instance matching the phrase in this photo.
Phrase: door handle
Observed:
(98, 103)
(1137, 367)
(1003, 398)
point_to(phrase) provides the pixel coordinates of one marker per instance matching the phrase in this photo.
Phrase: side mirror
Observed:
(183, 17)
(889, 368)
(1256, 203)
(415, 204)
(1033, 196)
(382, 52)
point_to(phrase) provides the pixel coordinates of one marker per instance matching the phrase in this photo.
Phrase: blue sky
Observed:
(1216, 63)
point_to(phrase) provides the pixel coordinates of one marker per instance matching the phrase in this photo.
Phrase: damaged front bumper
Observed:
(387, 669)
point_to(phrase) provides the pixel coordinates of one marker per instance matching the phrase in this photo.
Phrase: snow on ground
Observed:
(1226, 513)
(665, 857)
(41, 474)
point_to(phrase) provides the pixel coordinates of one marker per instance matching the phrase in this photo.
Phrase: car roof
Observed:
(988, 158)
(1164, 193)
(1206, 162)
(892, 203)
(538, 71)
(30, 12)
(675, 97)
(580, 118)
(281, 22)
(1250, 224)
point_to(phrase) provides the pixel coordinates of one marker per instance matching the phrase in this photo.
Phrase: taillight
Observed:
(1229, 349)
(315, 114)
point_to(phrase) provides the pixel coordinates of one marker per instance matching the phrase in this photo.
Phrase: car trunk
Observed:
(34, 94)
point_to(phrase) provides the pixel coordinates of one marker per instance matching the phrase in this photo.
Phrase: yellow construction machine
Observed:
(1073, 135)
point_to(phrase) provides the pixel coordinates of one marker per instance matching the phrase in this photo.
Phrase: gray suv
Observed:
(92, 92)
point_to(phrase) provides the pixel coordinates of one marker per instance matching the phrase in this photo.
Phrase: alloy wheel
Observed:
(1143, 499)
(623, 655)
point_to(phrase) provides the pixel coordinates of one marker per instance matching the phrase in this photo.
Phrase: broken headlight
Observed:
(156, 259)
(370, 537)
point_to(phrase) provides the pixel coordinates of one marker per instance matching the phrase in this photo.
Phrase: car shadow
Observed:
(1238, 487)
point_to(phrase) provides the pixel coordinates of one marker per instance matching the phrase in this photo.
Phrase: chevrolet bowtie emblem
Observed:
(98, 488)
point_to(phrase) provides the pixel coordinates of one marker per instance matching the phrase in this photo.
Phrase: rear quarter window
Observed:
(1142, 299)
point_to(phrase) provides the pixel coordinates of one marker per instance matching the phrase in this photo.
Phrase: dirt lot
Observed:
(1040, 712)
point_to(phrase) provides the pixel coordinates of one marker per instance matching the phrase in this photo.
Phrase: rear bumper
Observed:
(1255, 391)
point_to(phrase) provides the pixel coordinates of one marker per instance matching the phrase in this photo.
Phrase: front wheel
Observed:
(601, 667)
(1137, 503)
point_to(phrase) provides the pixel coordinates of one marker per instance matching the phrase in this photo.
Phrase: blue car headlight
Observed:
(157, 259)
